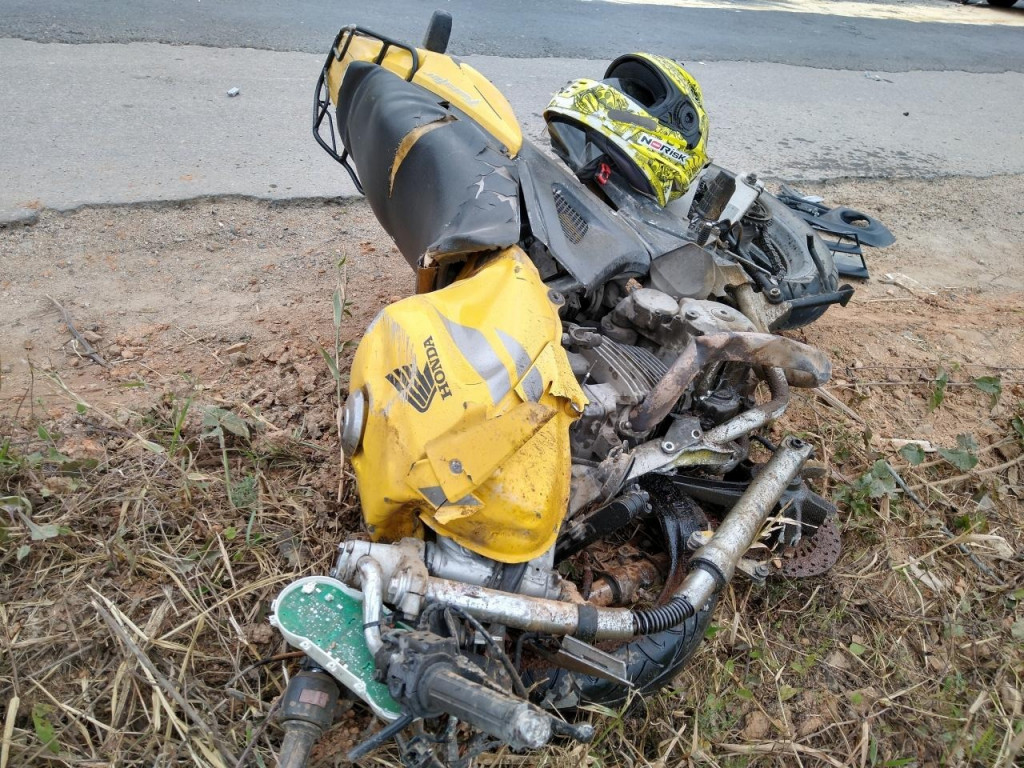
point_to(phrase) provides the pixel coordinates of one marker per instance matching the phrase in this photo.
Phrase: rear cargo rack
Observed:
(322, 99)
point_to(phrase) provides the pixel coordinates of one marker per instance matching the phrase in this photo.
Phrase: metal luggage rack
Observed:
(322, 99)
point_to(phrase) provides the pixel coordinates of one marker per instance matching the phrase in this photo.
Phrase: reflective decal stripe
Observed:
(516, 352)
(481, 355)
(435, 495)
(533, 386)
(533, 383)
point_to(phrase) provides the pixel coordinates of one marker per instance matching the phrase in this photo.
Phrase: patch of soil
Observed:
(212, 291)
(950, 233)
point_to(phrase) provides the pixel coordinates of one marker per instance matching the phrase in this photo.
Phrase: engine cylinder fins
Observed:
(632, 371)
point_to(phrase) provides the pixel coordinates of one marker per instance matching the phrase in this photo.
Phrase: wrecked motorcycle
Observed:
(554, 439)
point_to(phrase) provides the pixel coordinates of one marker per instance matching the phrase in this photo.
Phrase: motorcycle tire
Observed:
(652, 661)
(806, 273)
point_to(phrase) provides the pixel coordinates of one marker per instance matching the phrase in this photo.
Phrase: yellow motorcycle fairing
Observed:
(469, 399)
(455, 82)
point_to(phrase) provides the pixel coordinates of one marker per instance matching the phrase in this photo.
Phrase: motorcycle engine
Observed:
(618, 362)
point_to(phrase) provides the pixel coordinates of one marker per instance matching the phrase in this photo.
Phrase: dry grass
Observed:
(134, 624)
(133, 615)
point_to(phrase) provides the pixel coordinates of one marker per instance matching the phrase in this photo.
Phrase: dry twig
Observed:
(781, 748)
(158, 678)
(87, 348)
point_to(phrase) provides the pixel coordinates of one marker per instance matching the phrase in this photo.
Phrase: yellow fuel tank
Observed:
(469, 397)
(456, 82)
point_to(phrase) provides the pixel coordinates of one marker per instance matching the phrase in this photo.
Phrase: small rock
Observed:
(114, 351)
(241, 360)
(235, 348)
(232, 92)
(756, 727)
(27, 344)
(83, 448)
(279, 353)
(810, 724)
(307, 377)
(91, 336)
(22, 217)
(259, 633)
(127, 354)
(838, 660)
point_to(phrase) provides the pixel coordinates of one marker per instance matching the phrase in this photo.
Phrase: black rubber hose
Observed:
(671, 614)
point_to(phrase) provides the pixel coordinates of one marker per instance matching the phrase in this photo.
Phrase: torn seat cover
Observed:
(438, 183)
(469, 399)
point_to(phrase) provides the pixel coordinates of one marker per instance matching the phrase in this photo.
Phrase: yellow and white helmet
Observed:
(645, 119)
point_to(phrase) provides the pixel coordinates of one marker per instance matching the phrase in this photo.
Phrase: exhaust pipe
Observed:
(760, 349)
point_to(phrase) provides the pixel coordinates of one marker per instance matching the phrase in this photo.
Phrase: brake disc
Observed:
(813, 555)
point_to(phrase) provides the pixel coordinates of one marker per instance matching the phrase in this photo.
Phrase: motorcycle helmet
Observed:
(645, 119)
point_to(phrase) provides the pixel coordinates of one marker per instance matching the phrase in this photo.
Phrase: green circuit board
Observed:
(325, 619)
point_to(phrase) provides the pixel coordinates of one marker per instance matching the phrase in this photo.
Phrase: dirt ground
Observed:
(909, 653)
(170, 288)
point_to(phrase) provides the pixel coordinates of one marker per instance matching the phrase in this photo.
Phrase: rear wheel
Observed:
(1002, 3)
(652, 661)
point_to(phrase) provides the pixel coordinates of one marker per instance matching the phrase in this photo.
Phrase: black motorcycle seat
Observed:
(437, 182)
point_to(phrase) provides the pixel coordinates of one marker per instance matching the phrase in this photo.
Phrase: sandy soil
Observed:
(209, 290)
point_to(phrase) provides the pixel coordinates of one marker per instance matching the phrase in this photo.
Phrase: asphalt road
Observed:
(108, 102)
(537, 29)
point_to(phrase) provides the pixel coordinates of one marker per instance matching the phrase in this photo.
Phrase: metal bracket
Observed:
(577, 656)
(748, 189)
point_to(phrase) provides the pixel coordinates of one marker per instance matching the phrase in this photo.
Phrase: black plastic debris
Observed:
(843, 229)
